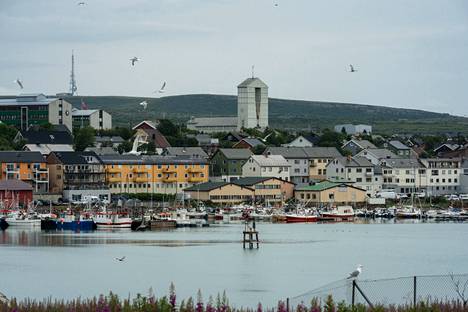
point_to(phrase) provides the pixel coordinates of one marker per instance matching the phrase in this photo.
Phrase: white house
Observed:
(267, 166)
(376, 155)
(300, 141)
(94, 118)
(357, 170)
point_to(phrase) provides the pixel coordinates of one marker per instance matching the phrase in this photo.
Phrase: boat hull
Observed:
(25, 223)
(301, 219)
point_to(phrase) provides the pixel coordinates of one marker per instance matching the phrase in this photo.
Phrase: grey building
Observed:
(354, 146)
(464, 177)
(297, 158)
(212, 124)
(95, 118)
(252, 104)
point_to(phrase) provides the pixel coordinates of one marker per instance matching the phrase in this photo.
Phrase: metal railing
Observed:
(394, 291)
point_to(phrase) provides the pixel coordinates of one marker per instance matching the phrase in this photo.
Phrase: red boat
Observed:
(296, 218)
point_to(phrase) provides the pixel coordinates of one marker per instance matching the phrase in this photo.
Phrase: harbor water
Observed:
(292, 259)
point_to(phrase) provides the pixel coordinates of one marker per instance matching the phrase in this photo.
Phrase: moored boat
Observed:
(19, 218)
(112, 220)
(340, 213)
(299, 218)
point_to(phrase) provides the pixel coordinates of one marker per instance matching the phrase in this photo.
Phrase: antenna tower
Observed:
(73, 86)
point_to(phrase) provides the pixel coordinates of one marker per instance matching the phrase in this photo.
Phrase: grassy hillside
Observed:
(290, 114)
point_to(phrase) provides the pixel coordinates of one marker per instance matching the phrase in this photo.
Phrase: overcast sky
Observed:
(408, 53)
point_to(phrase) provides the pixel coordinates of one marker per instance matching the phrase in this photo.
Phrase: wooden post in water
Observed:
(250, 236)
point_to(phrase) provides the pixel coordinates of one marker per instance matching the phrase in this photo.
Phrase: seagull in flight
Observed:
(351, 69)
(19, 82)
(134, 60)
(355, 273)
(81, 3)
(161, 90)
(144, 104)
(120, 259)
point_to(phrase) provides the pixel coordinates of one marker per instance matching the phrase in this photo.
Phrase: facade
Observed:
(212, 124)
(15, 193)
(26, 110)
(267, 166)
(328, 193)
(354, 146)
(464, 177)
(319, 158)
(29, 167)
(268, 190)
(83, 175)
(298, 160)
(400, 149)
(153, 174)
(356, 170)
(354, 129)
(227, 163)
(95, 118)
(220, 193)
(252, 104)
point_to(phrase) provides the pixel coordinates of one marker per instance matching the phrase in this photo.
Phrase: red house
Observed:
(15, 192)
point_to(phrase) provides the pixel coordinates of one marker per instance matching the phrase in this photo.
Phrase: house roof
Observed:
(106, 150)
(237, 135)
(450, 146)
(325, 185)
(145, 122)
(361, 143)
(150, 160)
(356, 161)
(236, 153)
(207, 186)
(398, 145)
(21, 157)
(157, 137)
(121, 159)
(27, 99)
(248, 181)
(113, 139)
(379, 153)
(270, 160)
(253, 142)
(322, 152)
(14, 185)
(47, 137)
(287, 152)
(252, 82)
(196, 152)
(75, 158)
(402, 163)
(46, 149)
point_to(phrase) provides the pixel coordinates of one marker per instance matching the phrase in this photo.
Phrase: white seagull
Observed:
(356, 272)
(19, 82)
(144, 104)
(162, 88)
(134, 60)
(351, 69)
(81, 3)
(120, 259)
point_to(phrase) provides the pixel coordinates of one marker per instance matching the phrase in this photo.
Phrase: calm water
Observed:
(292, 259)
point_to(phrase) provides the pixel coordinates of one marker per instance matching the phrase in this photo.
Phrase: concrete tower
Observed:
(252, 104)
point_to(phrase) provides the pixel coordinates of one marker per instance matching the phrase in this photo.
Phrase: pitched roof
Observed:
(47, 137)
(450, 146)
(270, 160)
(196, 152)
(380, 153)
(325, 185)
(207, 186)
(75, 158)
(287, 152)
(253, 142)
(106, 150)
(14, 185)
(249, 181)
(322, 152)
(252, 82)
(145, 122)
(236, 153)
(83, 112)
(356, 161)
(403, 163)
(157, 137)
(112, 139)
(361, 143)
(398, 145)
(46, 149)
(21, 157)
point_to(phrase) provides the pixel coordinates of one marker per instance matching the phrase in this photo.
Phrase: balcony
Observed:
(169, 179)
(170, 169)
(196, 169)
(369, 174)
(114, 179)
(113, 170)
(141, 179)
(139, 170)
(197, 179)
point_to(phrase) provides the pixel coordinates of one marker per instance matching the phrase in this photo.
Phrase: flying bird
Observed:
(144, 104)
(351, 69)
(120, 259)
(81, 3)
(162, 88)
(19, 82)
(266, 137)
(356, 272)
(134, 60)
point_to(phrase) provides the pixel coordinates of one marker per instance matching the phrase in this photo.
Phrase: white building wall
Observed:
(253, 169)
(60, 112)
(246, 106)
(362, 177)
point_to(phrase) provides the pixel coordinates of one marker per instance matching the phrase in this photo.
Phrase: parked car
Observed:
(420, 194)
(463, 196)
(451, 197)
(387, 194)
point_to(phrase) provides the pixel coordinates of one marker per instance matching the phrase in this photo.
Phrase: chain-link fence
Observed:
(396, 291)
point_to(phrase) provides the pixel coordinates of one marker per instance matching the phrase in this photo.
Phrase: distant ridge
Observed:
(289, 114)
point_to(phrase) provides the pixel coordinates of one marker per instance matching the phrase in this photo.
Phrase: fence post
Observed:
(287, 304)
(414, 291)
(354, 292)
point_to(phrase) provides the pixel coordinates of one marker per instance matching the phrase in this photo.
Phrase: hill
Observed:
(288, 114)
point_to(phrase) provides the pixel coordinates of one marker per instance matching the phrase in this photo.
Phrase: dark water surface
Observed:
(292, 259)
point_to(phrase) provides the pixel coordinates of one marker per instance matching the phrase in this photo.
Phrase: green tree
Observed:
(84, 138)
(125, 147)
(166, 127)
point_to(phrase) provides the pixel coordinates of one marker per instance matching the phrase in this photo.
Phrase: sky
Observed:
(411, 54)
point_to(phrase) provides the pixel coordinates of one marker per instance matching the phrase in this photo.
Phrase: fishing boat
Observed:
(77, 222)
(300, 218)
(20, 218)
(408, 213)
(340, 213)
(112, 220)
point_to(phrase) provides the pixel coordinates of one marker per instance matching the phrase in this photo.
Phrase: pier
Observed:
(250, 237)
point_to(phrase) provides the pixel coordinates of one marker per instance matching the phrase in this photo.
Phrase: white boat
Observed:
(340, 213)
(17, 218)
(112, 220)
(408, 212)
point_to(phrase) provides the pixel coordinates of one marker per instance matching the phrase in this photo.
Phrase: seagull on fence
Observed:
(356, 272)
(134, 60)
(351, 69)
(120, 259)
(144, 104)
(19, 82)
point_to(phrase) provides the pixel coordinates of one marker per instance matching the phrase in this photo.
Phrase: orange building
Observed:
(30, 167)
(153, 174)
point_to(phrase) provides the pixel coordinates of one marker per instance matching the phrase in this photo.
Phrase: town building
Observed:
(354, 146)
(400, 149)
(212, 124)
(45, 141)
(267, 166)
(95, 118)
(224, 193)
(153, 174)
(464, 177)
(29, 167)
(269, 191)
(445, 148)
(249, 143)
(356, 170)
(192, 152)
(81, 174)
(298, 160)
(252, 104)
(319, 158)
(376, 155)
(354, 129)
(108, 141)
(443, 175)
(303, 141)
(328, 193)
(226, 163)
(26, 110)
(15, 193)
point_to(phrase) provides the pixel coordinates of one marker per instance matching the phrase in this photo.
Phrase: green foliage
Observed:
(84, 138)
(259, 149)
(332, 139)
(168, 128)
(329, 304)
(125, 147)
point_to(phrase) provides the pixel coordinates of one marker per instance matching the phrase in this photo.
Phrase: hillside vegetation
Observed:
(287, 114)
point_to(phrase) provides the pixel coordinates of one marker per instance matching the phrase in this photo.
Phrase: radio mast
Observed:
(73, 86)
